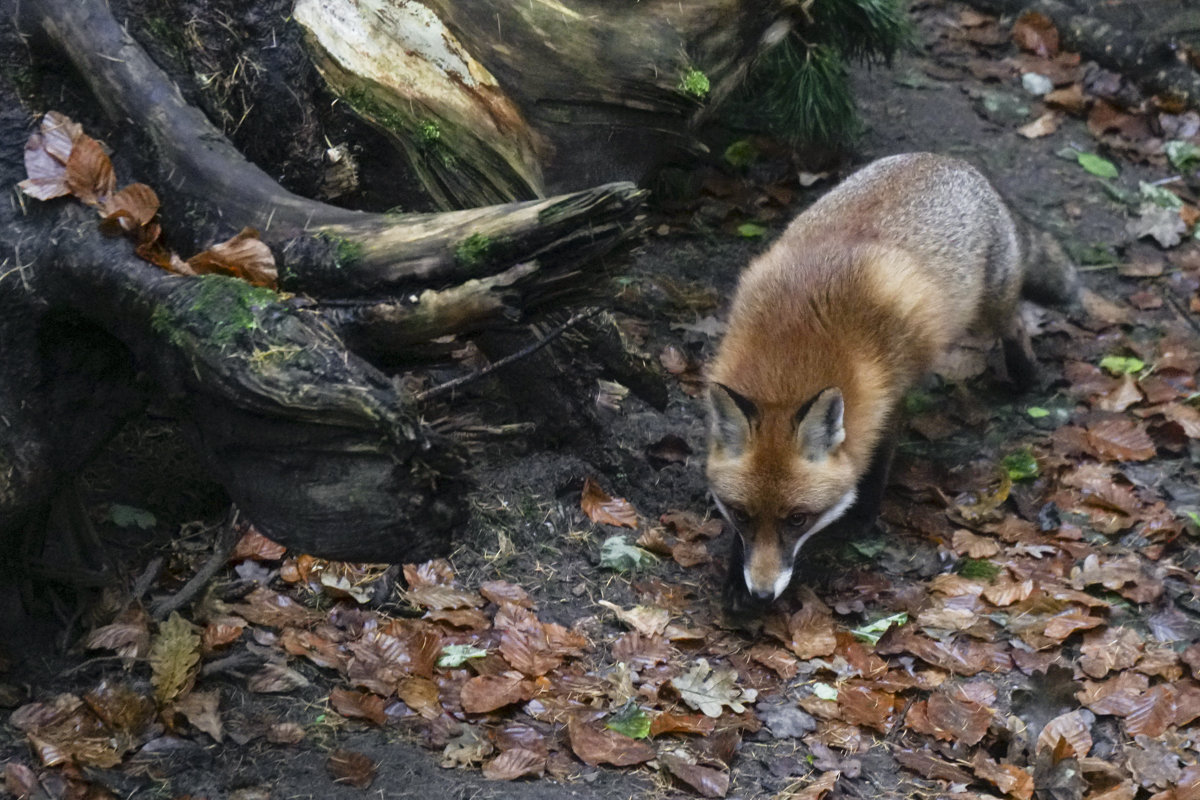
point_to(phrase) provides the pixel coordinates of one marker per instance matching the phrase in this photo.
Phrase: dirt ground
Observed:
(528, 528)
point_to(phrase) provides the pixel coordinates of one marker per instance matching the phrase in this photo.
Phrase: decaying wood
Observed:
(316, 446)
(494, 100)
(1149, 58)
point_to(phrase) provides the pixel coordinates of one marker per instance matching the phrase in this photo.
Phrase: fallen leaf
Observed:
(90, 175)
(707, 782)
(485, 693)
(596, 745)
(1044, 125)
(358, 705)
(174, 656)
(1073, 727)
(351, 767)
(243, 256)
(709, 690)
(605, 510)
(513, 764)
(1034, 32)
(200, 708)
(646, 620)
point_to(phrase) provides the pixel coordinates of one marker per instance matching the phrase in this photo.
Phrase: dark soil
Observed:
(527, 527)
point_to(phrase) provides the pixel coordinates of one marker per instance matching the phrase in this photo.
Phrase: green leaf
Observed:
(616, 553)
(455, 655)
(1194, 517)
(630, 721)
(978, 569)
(130, 517)
(869, 548)
(741, 153)
(1122, 365)
(824, 691)
(1159, 196)
(871, 632)
(1037, 412)
(1021, 465)
(1184, 156)
(751, 230)
(1100, 167)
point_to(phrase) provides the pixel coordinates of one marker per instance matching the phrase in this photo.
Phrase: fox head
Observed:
(778, 475)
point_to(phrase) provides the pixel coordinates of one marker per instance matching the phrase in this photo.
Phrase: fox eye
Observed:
(797, 519)
(739, 514)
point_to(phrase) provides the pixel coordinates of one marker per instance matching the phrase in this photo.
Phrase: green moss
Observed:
(346, 252)
(695, 83)
(220, 310)
(430, 133)
(473, 251)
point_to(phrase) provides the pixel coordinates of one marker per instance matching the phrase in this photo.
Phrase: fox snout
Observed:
(767, 570)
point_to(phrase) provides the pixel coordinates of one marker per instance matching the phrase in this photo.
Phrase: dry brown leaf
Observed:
(861, 704)
(1119, 439)
(351, 767)
(1008, 778)
(1044, 125)
(811, 633)
(1114, 648)
(1069, 99)
(200, 710)
(605, 510)
(275, 679)
(501, 592)
(358, 705)
(707, 782)
(90, 175)
(130, 210)
(775, 658)
(972, 545)
(253, 545)
(243, 256)
(485, 693)
(641, 651)
(668, 722)
(646, 620)
(595, 744)
(515, 763)
(442, 597)
(1035, 33)
(421, 695)
(1073, 727)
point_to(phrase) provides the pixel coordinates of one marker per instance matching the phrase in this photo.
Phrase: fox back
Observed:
(829, 328)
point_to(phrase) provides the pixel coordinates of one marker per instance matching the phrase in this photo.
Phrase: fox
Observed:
(832, 325)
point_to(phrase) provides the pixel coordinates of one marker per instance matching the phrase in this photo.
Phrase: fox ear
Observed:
(819, 424)
(731, 415)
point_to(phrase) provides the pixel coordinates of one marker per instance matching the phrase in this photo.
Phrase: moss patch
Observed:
(220, 310)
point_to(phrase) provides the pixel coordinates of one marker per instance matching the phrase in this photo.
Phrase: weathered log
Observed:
(202, 176)
(494, 100)
(319, 449)
(1149, 59)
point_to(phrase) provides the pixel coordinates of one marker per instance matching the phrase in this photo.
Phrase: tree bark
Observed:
(532, 97)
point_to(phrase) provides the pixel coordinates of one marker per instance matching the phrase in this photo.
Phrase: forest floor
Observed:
(1037, 557)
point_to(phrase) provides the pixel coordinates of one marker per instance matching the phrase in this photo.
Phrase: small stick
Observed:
(226, 540)
(577, 317)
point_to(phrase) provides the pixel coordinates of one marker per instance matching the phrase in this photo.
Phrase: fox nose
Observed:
(762, 595)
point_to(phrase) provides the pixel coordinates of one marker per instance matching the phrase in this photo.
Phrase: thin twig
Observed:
(226, 540)
(524, 352)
